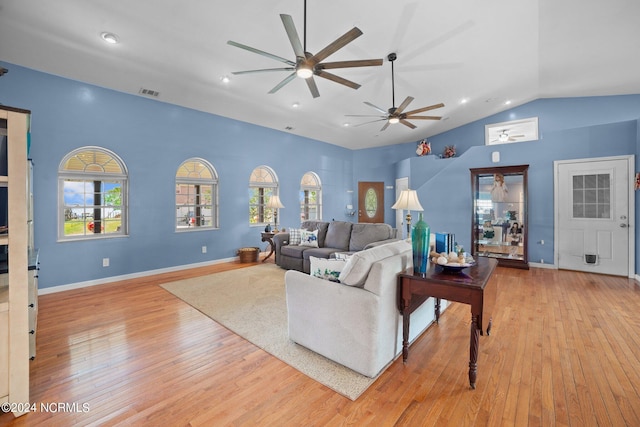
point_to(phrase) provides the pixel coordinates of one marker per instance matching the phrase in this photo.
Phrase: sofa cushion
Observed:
(293, 251)
(338, 235)
(363, 234)
(318, 252)
(294, 236)
(328, 269)
(357, 269)
(309, 238)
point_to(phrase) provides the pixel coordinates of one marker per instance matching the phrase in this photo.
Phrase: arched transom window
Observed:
(92, 194)
(196, 195)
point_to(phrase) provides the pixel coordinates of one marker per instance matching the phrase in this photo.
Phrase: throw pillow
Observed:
(294, 236)
(328, 269)
(309, 238)
(357, 269)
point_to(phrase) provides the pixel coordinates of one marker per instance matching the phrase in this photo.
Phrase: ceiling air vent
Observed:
(288, 128)
(149, 92)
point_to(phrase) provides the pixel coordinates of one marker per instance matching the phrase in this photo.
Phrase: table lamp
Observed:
(421, 233)
(275, 204)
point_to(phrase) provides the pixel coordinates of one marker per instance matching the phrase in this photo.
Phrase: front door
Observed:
(370, 201)
(593, 199)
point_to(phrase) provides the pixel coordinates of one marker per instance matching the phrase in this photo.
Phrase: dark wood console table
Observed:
(471, 286)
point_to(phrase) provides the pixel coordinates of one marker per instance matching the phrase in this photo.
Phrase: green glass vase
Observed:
(420, 241)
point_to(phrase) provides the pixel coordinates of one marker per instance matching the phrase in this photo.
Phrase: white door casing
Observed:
(594, 212)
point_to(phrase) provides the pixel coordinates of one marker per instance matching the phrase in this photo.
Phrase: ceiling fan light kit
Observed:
(306, 64)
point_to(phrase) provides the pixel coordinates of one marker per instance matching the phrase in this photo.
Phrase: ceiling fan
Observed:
(307, 65)
(397, 115)
(504, 136)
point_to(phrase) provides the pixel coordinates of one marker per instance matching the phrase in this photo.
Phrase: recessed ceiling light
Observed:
(109, 38)
(464, 100)
(346, 125)
(225, 79)
(295, 104)
(507, 102)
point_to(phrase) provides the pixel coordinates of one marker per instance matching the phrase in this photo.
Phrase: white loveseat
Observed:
(356, 322)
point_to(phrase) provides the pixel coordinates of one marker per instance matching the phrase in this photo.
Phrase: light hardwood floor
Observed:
(564, 350)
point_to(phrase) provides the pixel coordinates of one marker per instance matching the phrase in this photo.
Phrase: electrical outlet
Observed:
(542, 242)
(204, 249)
(541, 261)
(105, 262)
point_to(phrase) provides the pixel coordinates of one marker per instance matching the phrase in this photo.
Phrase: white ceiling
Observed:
(486, 51)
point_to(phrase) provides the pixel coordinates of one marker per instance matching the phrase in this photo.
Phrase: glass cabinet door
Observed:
(499, 217)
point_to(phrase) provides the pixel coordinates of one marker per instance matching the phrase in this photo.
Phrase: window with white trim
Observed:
(92, 195)
(196, 195)
(263, 182)
(310, 197)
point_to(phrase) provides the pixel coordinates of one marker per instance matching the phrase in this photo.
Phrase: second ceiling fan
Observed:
(307, 65)
(397, 114)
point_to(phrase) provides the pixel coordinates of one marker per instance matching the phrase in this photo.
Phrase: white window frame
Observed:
(310, 182)
(92, 172)
(264, 180)
(197, 213)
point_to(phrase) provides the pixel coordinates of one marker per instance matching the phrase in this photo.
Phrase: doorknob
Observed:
(623, 225)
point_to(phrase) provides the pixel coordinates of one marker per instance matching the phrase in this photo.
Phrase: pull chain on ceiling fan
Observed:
(397, 115)
(307, 65)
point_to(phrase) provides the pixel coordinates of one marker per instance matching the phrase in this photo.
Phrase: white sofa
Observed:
(356, 322)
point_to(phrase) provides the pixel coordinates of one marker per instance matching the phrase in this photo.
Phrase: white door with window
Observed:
(594, 215)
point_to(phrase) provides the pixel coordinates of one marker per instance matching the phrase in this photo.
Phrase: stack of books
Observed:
(445, 242)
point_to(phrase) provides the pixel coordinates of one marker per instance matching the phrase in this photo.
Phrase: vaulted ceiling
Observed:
(473, 56)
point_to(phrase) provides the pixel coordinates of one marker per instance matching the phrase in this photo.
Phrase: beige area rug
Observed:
(251, 302)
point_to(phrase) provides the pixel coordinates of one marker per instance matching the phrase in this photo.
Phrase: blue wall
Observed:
(569, 128)
(153, 138)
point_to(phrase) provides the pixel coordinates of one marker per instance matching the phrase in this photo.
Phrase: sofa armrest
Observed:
(280, 239)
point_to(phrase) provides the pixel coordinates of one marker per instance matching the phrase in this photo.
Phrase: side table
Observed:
(267, 236)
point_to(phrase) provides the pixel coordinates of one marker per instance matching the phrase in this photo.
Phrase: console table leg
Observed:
(405, 335)
(473, 351)
(437, 310)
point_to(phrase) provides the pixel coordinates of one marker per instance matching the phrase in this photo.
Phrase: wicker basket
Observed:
(248, 254)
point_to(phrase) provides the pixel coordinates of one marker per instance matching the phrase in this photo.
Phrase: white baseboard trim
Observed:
(539, 265)
(103, 281)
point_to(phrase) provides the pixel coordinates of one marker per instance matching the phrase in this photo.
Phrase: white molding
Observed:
(112, 279)
(547, 266)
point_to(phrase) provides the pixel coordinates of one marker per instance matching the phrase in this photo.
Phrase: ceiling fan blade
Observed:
(364, 115)
(337, 79)
(348, 64)
(336, 45)
(404, 104)
(264, 70)
(261, 52)
(290, 28)
(312, 87)
(420, 110)
(282, 83)
(372, 121)
(424, 117)
(386, 125)
(408, 124)
(377, 108)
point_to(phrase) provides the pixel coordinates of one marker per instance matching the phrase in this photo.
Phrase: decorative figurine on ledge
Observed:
(424, 148)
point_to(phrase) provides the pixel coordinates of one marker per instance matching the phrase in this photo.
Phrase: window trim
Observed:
(213, 182)
(65, 175)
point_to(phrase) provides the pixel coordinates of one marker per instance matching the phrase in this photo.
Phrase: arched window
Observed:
(92, 195)
(310, 197)
(196, 195)
(262, 184)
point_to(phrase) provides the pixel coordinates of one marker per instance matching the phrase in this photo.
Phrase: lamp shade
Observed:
(408, 200)
(274, 202)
